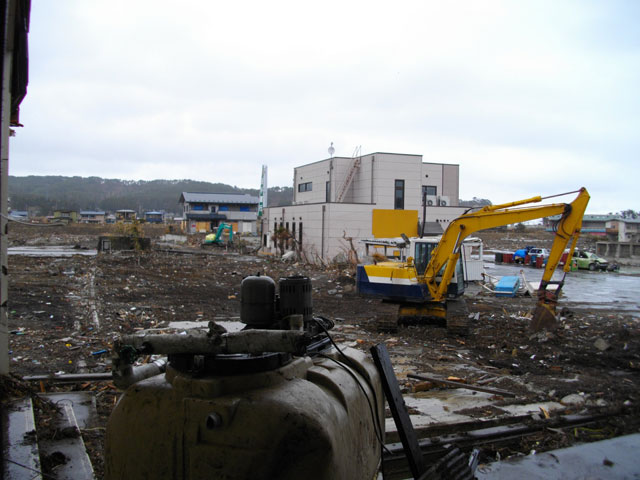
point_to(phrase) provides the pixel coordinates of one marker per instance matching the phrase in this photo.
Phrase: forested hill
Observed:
(44, 194)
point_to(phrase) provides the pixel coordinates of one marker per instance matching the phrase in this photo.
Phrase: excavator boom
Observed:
(423, 291)
(447, 252)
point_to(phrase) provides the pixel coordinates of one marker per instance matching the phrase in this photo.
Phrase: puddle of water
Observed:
(599, 290)
(532, 408)
(439, 406)
(50, 251)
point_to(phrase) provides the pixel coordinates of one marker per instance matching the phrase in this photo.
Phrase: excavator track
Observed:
(387, 323)
(458, 317)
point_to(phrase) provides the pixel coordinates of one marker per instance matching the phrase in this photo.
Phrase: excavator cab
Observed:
(422, 250)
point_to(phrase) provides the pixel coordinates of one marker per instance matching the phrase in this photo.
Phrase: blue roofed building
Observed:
(154, 217)
(591, 224)
(203, 212)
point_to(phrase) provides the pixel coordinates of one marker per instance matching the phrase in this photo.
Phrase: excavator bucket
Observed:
(544, 317)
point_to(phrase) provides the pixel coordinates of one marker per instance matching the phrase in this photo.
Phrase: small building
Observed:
(591, 224)
(91, 216)
(203, 212)
(65, 216)
(341, 200)
(154, 217)
(125, 216)
(623, 229)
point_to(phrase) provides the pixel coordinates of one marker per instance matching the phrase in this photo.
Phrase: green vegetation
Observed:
(44, 194)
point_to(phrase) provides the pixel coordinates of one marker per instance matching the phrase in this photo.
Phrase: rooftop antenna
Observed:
(331, 150)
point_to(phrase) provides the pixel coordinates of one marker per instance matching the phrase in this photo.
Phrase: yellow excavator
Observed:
(430, 283)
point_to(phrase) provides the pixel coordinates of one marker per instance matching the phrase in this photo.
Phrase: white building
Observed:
(376, 195)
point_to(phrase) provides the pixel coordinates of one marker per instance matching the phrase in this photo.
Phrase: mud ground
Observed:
(66, 312)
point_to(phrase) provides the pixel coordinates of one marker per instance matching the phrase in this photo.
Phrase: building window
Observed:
(304, 187)
(300, 235)
(328, 192)
(399, 195)
(429, 190)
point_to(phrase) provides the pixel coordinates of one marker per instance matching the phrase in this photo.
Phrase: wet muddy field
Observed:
(66, 311)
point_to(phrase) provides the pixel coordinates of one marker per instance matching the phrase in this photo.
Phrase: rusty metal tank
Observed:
(292, 418)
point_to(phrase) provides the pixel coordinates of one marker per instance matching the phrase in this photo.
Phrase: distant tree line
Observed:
(475, 202)
(631, 214)
(45, 194)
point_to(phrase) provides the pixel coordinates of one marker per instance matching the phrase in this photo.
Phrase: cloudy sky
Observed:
(528, 97)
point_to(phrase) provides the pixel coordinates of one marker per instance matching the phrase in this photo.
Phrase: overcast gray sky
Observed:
(528, 97)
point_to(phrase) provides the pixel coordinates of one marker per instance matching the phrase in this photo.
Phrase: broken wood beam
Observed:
(494, 391)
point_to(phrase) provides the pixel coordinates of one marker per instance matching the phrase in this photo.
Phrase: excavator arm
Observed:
(447, 252)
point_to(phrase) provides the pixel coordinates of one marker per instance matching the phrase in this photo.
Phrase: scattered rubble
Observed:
(65, 313)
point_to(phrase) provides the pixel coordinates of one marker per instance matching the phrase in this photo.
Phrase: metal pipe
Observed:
(69, 377)
(247, 341)
(127, 376)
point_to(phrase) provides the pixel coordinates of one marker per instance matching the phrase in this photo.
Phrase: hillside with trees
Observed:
(44, 194)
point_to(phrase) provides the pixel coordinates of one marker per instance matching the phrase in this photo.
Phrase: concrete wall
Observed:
(323, 227)
(618, 250)
(318, 174)
(325, 224)
(373, 187)
(390, 167)
(446, 179)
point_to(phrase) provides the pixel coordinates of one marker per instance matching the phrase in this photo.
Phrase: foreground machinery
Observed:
(275, 400)
(430, 283)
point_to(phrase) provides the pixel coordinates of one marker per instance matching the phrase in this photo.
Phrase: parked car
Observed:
(590, 261)
(539, 252)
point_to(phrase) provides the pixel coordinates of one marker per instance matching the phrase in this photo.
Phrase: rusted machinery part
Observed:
(544, 317)
(255, 341)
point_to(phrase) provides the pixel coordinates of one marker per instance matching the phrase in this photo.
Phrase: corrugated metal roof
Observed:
(601, 218)
(227, 198)
(205, 216)
(90, 212)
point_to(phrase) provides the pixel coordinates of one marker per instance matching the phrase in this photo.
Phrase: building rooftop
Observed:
(231, 198)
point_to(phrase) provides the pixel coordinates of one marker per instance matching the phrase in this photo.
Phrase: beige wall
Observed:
(379, 170)
(373, 187)
(324, 238)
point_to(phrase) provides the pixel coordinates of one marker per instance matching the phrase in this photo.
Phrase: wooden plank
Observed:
(495, 391)
(399, 410)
